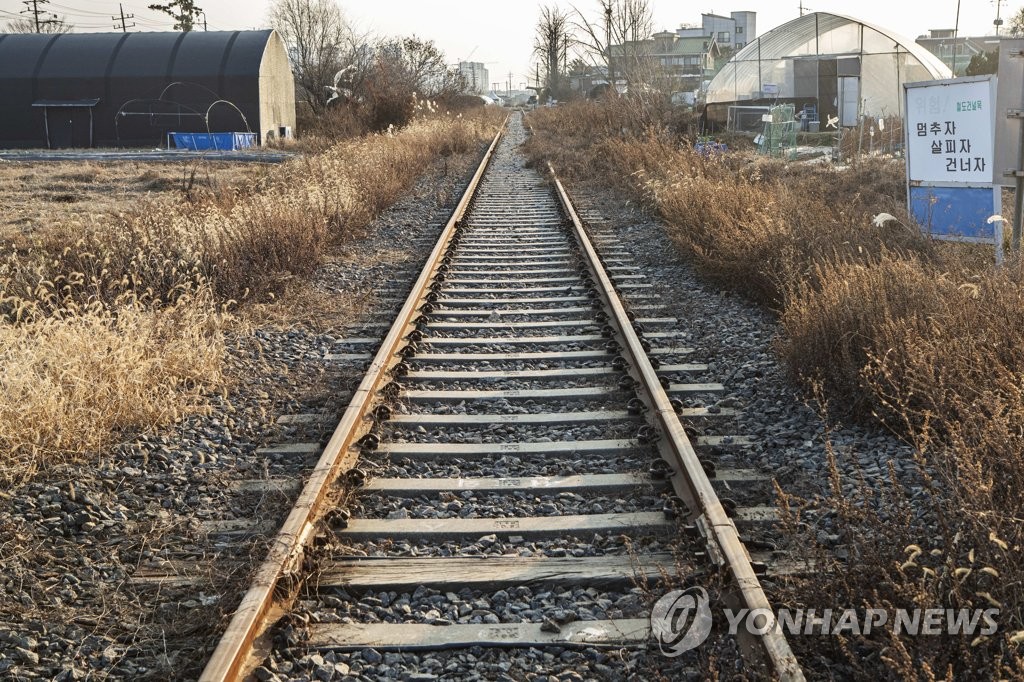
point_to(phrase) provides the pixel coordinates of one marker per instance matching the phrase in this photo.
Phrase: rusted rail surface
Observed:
(693, 485)
(276, 579)
(285, 555)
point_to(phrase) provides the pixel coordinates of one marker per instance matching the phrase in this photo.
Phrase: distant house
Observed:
(956, 51)
(681, 61)
(131, 89)
(676, 64)
(476, 76)
(730, 33)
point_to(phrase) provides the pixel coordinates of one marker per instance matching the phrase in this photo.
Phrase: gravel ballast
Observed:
(91, 554)
(77, 540)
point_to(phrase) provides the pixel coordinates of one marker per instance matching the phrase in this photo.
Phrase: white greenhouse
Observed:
(832, 68)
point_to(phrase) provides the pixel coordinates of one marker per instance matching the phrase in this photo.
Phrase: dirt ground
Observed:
(35, 195)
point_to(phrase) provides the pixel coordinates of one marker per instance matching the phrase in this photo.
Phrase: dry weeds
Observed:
(924, 337)
(114, 324)
(39, 195)
(71, 386)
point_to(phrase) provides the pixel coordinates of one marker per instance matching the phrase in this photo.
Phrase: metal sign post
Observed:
(950, 143)
(1017, 173)
(1009, 168)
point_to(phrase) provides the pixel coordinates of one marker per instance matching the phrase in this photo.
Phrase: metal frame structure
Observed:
(885, 62)
(47, 104)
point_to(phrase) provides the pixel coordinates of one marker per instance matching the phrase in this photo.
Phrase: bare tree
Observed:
(321, 44)
(27, 25)
(419, 65)
(1017, 24)
(404, 71)
(551, 45)
(619, 39)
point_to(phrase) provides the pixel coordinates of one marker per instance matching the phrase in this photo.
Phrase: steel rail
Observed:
(285, 555)
(690, 483)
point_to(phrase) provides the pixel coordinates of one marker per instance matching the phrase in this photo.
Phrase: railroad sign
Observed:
(950, 130)
(950, 155)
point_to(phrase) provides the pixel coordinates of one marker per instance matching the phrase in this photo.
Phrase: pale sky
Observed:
(500, 33)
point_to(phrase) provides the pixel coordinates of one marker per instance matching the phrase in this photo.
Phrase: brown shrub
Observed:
(831, 329)
(925, 337)
(753, 224)
(114, 327)
(954, 381)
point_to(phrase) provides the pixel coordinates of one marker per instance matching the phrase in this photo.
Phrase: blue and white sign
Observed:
(950, 147)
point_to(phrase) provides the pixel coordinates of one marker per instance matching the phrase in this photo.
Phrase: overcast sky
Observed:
(501, 33)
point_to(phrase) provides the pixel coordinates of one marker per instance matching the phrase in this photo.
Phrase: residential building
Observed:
(731, 33)
(478, 80)
(681, 61)
(674, 63)
(677, 63)
(956, 51)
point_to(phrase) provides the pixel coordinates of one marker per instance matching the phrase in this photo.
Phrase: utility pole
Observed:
(608, 43)
(124, 26)
(956, 30)
(204, 20)
(32, 7)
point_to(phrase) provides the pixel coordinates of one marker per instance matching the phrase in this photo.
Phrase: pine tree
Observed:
(184, 12)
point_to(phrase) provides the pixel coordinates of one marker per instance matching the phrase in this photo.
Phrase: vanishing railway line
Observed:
(517, 435)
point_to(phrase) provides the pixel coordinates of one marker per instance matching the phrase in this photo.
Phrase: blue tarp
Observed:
(218, 141)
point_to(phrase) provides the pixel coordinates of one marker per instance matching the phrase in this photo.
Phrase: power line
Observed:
(72, 11)
(32, 7)
(88, 18)
(124, 26)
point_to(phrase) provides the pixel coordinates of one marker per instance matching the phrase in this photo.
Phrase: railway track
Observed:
(512, 472)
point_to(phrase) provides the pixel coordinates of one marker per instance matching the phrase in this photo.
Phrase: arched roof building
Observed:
(130, 89)
(823, 60)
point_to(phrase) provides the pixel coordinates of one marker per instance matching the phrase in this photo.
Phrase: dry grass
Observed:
(938, 359)
(925, 337)
(755, 224)
(243, 242)
(40, 195)
(303, 304)
(71, 386)
(113, 324)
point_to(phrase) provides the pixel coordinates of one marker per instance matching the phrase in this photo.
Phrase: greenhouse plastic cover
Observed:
(886, 61)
